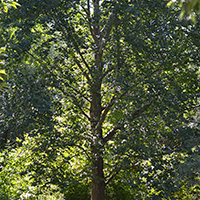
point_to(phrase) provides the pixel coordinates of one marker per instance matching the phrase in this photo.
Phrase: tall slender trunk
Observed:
(98, 183)
(97, 147)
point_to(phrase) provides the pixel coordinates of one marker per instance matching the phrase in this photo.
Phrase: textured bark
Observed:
(98, 182)
(97, 146)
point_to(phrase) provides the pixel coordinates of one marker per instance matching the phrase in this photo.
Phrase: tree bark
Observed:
(97, 147)
(98, 182)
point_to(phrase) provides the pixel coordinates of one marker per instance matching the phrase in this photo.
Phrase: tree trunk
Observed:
(98, 183)
(97, 147)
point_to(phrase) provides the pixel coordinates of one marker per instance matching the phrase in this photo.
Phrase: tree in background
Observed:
(25, 105)
(189, 7)
(4, 7)
(125, 73)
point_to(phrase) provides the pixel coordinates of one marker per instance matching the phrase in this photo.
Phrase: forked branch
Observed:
(118, 170)
(120, 126)
(80, 93)
(108, 107)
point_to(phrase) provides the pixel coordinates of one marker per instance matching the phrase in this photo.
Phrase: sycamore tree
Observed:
(126, 75)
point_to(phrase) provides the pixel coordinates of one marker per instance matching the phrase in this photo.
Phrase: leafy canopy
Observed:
(113, 82)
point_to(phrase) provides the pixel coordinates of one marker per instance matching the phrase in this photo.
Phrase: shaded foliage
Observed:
(107, 87)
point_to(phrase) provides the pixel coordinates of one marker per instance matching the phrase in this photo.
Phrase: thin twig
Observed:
(77, 91)
(81, 68)
(80, 147)
(138, 112)
(112, 176)
(75, 45)
(77, 48)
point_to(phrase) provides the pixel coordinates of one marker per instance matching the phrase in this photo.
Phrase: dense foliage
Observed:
(188, 7)
(4, 6)
(99, 100)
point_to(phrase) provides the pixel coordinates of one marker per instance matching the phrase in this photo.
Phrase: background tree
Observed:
(188, 8)
(25, 105)
(125, 74)
(4, 6)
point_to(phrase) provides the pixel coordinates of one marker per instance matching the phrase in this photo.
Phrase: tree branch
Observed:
(81, 55)
(111, 133)
(113, 176)
(36, 58)
(106, 30)
(83, 111)
(106, 72)
(134, 115)
(96, 16)
(138, 112)
(82, 13)
(107, 109)
(88, 7)
(93, 35)
(76, 103)
(89, 21)
(81, 68)
(84, 150)
(118, 170)
(78, 92)
(76, 46)
(74, 43)
(78, 64)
